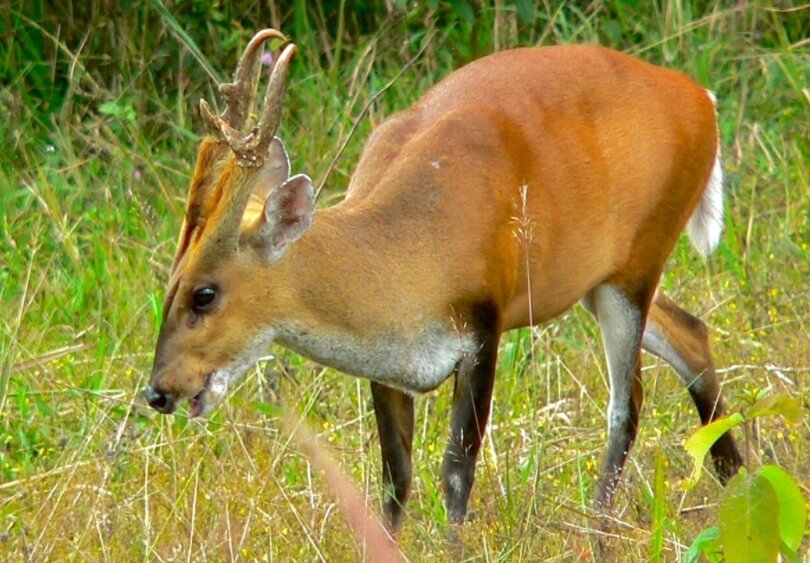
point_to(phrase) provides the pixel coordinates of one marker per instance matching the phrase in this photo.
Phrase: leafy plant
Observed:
(762, 513)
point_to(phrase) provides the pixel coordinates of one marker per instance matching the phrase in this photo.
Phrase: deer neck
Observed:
(326, 270)
(403, 351)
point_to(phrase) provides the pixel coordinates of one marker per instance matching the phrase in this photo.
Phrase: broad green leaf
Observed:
(110, 108)
(789, 554)
(525, 10)
(707, 543)
(267, 409)
(749, 520)
(114, 109)
(781, 403)
(699, 443)
(614, 31)
(464, 11)
(792, 511)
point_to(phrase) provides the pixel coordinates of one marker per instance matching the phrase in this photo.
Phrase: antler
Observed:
(234, 184)
(251, 148)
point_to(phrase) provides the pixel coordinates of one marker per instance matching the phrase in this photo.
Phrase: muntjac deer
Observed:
(417, 273)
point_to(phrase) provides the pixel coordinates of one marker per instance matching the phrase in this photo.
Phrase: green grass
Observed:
(99, 134)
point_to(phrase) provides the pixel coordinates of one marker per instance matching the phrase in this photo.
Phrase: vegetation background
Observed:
(98, 130)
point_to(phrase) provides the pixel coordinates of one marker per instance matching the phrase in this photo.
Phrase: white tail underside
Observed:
(706, 224)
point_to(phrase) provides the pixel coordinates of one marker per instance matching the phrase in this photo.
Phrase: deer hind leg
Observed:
(394, 412)
(621, 320)
(682, 341)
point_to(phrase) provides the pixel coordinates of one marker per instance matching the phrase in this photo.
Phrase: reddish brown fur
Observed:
(615, 155)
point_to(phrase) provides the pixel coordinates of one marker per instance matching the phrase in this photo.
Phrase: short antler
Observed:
(251, 148)
(234, 183)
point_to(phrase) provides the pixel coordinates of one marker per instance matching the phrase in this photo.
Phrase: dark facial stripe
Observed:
(167, 305)
(210, 154)
(185, 241)
(219, 190)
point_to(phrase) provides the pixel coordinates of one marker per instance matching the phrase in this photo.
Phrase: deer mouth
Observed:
(197, 403)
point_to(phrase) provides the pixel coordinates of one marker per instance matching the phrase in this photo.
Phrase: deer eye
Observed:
(202, 298)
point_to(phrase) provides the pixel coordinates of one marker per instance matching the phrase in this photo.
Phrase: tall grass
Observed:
(99, 132)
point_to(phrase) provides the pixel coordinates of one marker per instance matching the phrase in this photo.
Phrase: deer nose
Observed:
(158, 400)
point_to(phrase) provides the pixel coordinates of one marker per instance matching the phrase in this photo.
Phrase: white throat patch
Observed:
(225, 377)
(414, 365)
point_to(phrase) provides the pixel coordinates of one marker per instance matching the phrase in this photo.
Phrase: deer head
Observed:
(243, 212)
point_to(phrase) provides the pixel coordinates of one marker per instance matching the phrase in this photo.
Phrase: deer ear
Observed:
(274, 172)
(287, 215)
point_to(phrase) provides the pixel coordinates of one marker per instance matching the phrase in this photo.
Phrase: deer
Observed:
(414, 276)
